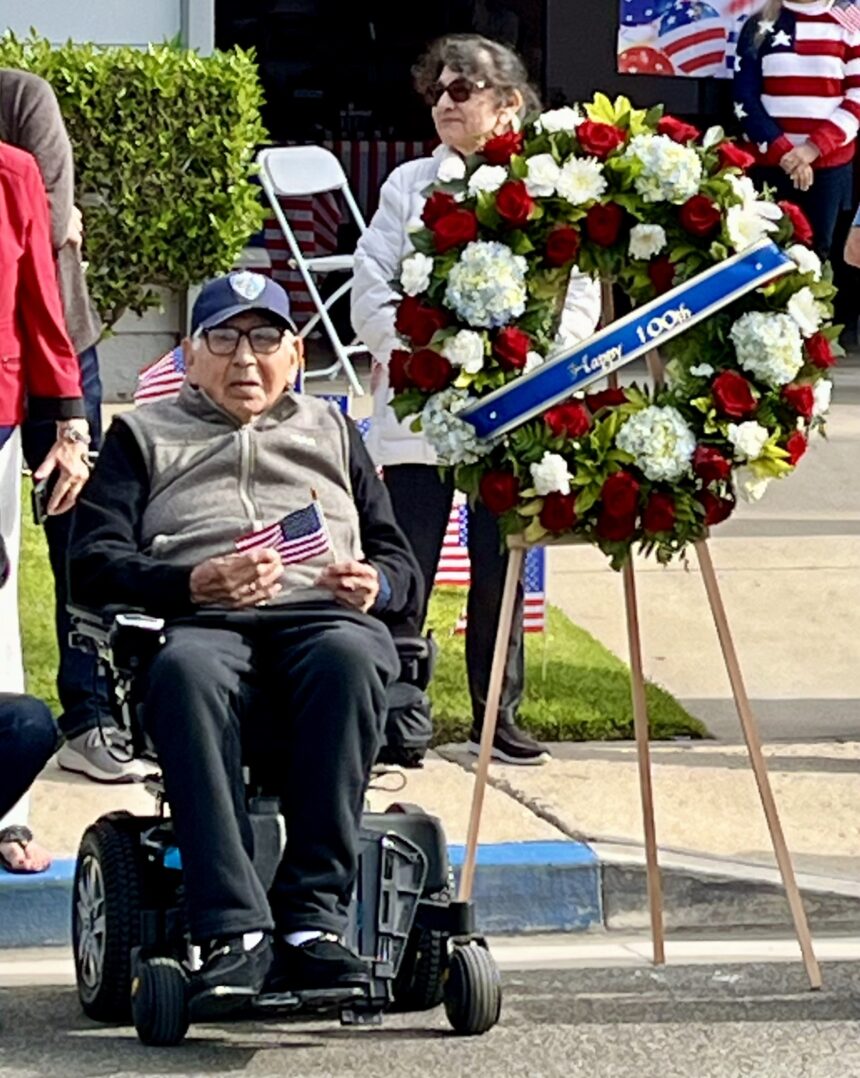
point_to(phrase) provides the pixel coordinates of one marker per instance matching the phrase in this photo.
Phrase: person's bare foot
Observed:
(19, 852)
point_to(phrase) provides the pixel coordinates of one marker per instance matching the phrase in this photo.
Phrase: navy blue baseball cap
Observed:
(237, 293)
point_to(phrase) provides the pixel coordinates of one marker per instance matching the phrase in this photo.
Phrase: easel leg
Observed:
(757, 760)
(643, 756)
(491, 717)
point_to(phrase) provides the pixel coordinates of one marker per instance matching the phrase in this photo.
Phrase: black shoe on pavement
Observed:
(230, 976)
(319, 964)
(511, 745)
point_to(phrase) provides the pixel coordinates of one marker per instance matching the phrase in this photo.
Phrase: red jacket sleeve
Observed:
(51, 369)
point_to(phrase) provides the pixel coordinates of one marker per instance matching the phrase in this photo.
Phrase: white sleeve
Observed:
(373, 299)
(581, 312)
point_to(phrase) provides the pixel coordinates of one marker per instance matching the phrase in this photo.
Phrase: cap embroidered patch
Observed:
(247, 285)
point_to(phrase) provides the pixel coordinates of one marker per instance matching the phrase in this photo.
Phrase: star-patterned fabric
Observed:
(695, 38)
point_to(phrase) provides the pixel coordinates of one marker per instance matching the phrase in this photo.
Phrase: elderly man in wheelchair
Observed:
(250, 518)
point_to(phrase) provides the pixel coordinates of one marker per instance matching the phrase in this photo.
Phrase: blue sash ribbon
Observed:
(621, 342)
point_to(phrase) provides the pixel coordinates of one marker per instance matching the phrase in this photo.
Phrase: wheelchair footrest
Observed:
(319, 999)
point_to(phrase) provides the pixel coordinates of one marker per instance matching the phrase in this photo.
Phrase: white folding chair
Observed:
(299, 171)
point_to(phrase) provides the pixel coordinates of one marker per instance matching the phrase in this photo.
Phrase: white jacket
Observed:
(374, 301)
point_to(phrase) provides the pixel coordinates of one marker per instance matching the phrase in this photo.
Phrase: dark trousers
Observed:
(28, 738)
(82, 693)
(829, 196)
(308, 683)
(422, 505)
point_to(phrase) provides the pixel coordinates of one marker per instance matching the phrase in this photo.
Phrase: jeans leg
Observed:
(28, 738)
(333, 729)
(489, 565)
(422, 505)
(198, 686)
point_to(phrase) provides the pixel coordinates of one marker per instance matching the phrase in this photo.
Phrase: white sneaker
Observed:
(103, 755)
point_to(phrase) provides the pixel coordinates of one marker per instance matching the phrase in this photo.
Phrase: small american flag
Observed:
(847, 14)
(162, 379)
(298, 537)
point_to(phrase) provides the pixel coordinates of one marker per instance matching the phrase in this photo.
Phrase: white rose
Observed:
(415, 273)
(533, 361)
(452, 168)
(805, 309)
(542, 177)
(822, 391)
(646, 241)
(746, 227)
(702, 370)
(487, 178)
(466, 350)
(750, 486)
(748, 439)
(712, 137)
(564, 119)
(551, 474)
(807, 261)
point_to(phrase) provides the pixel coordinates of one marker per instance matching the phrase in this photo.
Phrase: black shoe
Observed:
(319, 964)
(511, 745)
(230, 976)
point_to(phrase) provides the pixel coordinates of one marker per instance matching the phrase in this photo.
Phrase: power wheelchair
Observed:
(132, 952)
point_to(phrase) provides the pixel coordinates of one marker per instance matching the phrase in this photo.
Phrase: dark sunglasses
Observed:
(459, 90)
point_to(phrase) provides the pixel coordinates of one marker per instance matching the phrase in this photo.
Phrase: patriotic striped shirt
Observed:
(799, 82)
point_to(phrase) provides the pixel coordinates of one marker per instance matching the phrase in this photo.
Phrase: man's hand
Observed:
(237, 580)
(800, 155)
(71, 460)
(803, 177)
(75, 231)
(353, 583)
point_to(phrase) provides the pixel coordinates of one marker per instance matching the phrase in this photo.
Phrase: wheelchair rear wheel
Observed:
(106, 915)
(420, 981)
(473, 990)
(159, 1002)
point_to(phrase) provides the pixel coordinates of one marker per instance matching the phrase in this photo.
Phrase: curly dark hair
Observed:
(477, 57)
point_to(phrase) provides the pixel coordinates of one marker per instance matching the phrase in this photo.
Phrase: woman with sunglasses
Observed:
(476, 89)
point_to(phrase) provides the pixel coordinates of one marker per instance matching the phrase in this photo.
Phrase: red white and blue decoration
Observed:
(686, 38)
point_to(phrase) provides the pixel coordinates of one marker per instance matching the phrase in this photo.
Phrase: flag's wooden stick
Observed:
(759, 766)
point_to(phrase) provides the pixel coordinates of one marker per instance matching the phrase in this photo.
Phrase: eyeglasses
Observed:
(224, 340)
(459, 90)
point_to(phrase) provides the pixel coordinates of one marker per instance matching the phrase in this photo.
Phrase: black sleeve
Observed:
(106, 565)
(384, 544)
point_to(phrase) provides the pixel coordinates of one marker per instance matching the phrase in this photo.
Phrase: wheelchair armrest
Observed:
(122, 636)
(417, 658)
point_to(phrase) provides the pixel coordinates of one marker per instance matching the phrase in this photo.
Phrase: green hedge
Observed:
(164, 144)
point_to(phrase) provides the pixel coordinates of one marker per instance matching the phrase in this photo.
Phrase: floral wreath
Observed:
(646, 201)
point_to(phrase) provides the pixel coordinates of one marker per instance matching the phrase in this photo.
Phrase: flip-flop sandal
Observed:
(23, 836)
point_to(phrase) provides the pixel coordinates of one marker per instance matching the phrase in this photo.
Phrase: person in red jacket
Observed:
(37, 363)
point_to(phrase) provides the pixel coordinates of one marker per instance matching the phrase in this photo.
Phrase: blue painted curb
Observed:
(519, 887)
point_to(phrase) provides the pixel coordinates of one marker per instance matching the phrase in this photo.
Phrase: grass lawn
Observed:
(576, 690)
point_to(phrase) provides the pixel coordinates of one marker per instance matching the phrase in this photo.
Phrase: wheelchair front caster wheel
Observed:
(473, 990)
(159, 1002)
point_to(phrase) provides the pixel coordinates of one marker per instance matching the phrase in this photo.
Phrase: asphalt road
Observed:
(727, 1021)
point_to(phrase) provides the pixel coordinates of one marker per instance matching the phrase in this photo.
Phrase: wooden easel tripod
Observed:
(748, 723)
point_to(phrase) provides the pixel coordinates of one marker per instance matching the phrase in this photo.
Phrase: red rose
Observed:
(511, 347)
(558, 513)
(455, 229)
(603, 223)
(799, 222)
(819, 351)
(732, 156)
(570, 420)
(398, 370)
(500, 150)
(661, 273)
(795, 447)
(700, 216)
(800, 398)
(499, 491)
(514, 203)
(600, 139)
(438, 205)
(733, 395)
(429, 371)
(710, 465)
(620, 495)
(418, 322)
(716, 509)
(562, 245)
(605, 398)
(677, 130)
(615, 529)
(659, 514)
